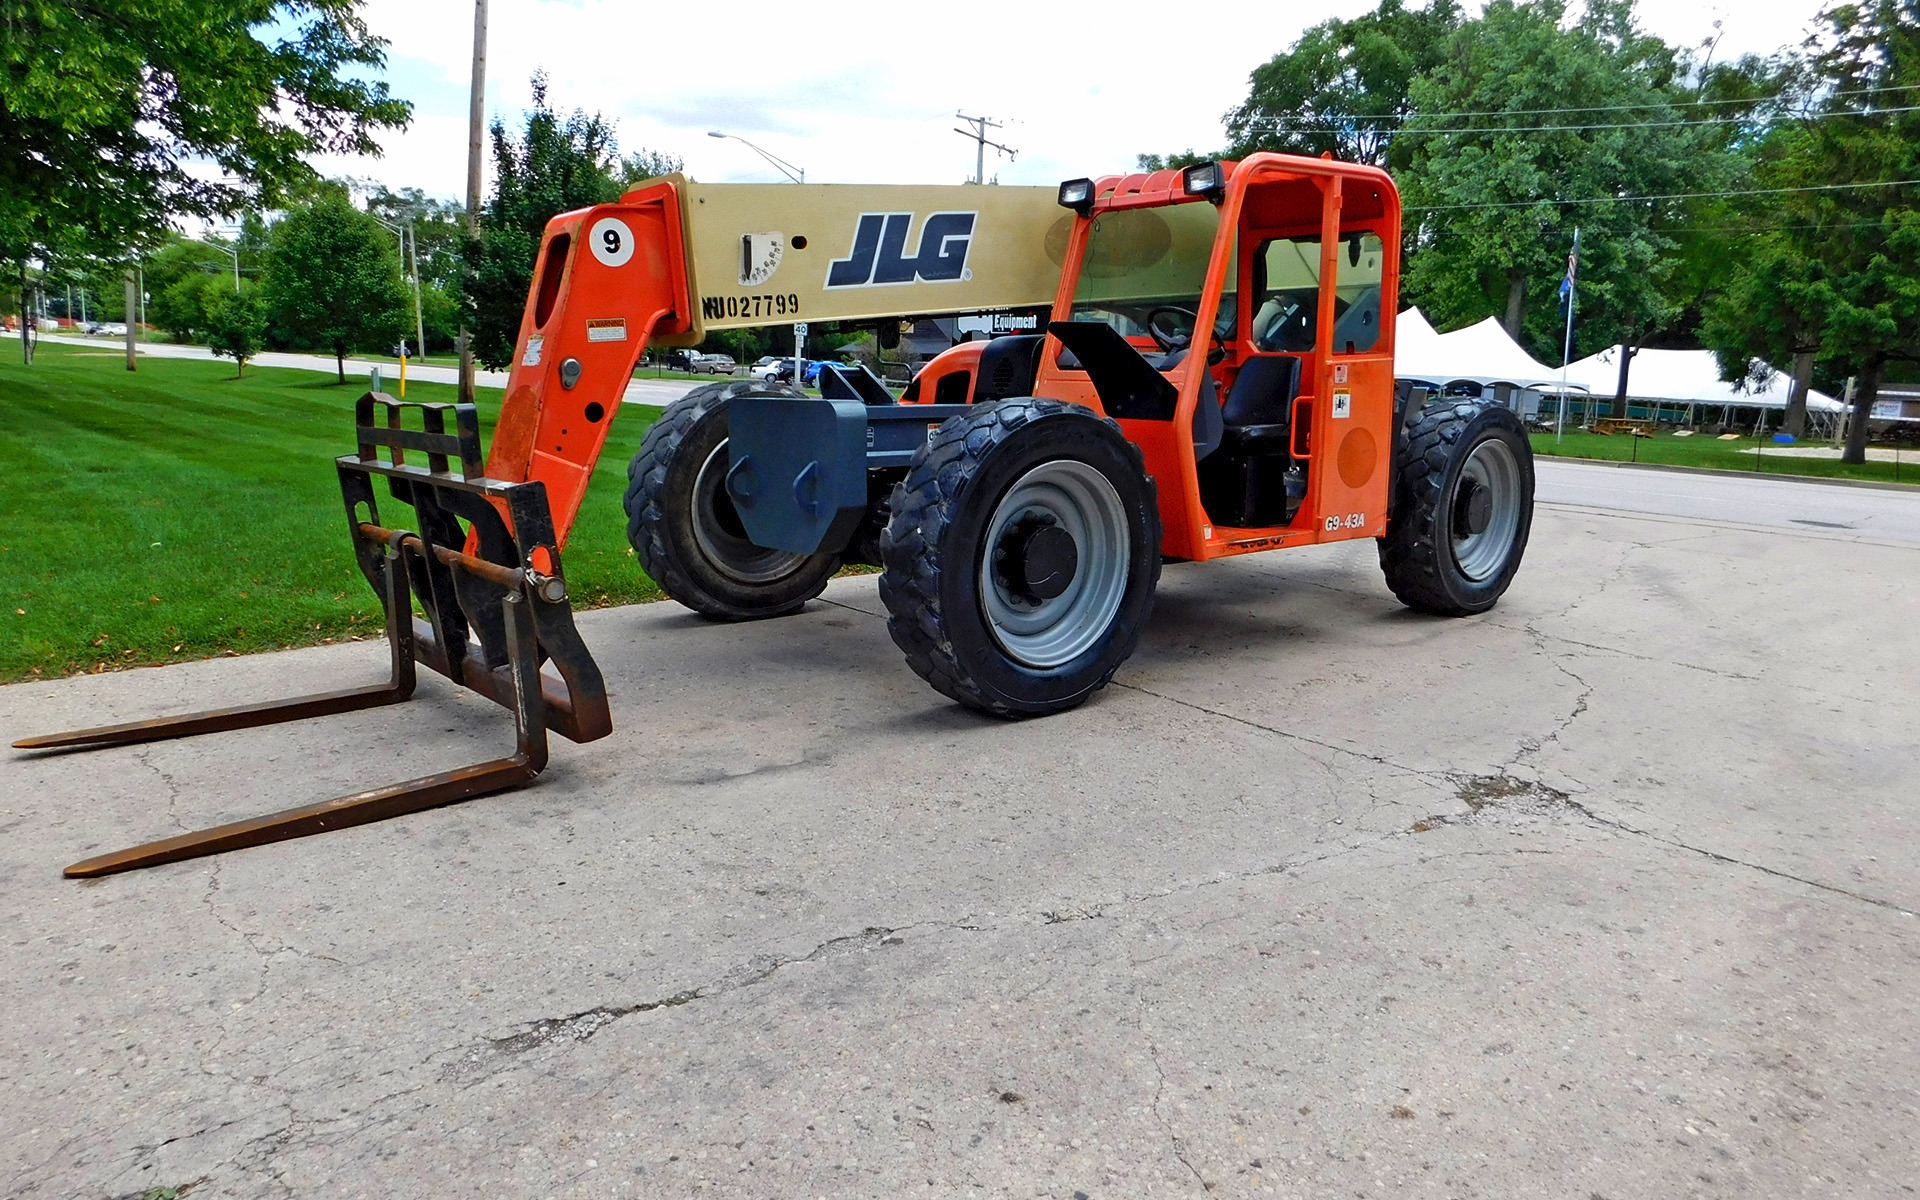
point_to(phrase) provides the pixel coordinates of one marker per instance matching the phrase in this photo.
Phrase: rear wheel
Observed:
(1462, 509)
(1021, 556)
(685, 529)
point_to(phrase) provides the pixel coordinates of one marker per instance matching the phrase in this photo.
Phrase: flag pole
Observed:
(1571, 293)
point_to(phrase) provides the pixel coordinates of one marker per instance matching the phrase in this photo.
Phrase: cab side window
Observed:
(1287, 290)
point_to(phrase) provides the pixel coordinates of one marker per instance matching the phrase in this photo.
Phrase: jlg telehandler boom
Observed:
(1216, 378)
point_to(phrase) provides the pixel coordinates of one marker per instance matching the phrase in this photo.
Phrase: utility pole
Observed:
(133, 326)
(476, 121)
(413, 257)
(979, 135)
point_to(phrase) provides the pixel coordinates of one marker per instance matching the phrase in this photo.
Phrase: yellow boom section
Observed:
(773, 254)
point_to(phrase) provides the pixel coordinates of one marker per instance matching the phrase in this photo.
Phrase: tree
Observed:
(1344, 86)
(180, 307)
(649, 164)
(105, 109)
(236, 325)
(557, 164)
(333, 280)
(1768, 312)
(1496, 189)
(1861, 230)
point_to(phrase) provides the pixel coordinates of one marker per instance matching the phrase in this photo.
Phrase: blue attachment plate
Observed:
(799, 470)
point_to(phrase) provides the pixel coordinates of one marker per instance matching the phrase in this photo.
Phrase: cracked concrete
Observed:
(1609, 892)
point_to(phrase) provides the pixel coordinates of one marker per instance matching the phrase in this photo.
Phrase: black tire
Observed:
(1432, 555)
(683, 525)
(999, 468)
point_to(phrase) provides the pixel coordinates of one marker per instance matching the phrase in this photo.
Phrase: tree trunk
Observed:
(1627, 351)
(340, 362)
(1866, 391)
(1516, 301)
(1794, 425)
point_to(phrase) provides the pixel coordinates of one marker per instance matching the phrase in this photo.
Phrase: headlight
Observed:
(1077, 194)
(1205, 179)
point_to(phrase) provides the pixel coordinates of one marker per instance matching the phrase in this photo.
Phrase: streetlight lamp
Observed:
(797, 175)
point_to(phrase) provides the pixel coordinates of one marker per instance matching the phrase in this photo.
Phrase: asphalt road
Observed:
(1879, 514)
(1609, 892)
(659, 392)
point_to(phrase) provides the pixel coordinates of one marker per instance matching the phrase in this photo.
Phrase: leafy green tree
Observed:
(557, 164)
(648, 164)
(1768, 312)
(1860, 230)
(104, 107)
(1175, 160)
(180, 308)
(236, 324)
(1495, 191)
(1345, 85)
(333, 281)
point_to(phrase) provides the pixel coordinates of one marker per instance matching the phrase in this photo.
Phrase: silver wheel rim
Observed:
(717, 530)
(1493, 466)
(1056, 631)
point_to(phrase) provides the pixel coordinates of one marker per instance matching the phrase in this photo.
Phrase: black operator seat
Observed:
(1207, 424)
(1260, 404)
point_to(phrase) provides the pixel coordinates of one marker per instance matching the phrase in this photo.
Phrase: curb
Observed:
(1872, 484)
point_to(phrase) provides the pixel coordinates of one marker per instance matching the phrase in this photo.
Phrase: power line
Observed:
(1717, 121)
(1540, 112)
(1818, 187)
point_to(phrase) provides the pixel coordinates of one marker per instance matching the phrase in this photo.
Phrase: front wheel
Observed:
(1462, 509)
(1020, 557)
(685, 529)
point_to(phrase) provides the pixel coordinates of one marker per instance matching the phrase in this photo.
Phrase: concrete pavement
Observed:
(1608, 893)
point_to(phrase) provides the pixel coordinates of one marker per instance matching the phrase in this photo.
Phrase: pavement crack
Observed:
(1174, 1140)
(144, 756)
(1732, 861)
(1380, 760)
(578, 1027)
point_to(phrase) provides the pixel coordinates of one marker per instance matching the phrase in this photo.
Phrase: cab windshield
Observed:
(1140, 259)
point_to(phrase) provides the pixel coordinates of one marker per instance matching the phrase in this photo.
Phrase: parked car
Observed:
(769, 369)
(714, 364)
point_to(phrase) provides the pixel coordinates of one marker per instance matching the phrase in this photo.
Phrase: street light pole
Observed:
(410, 237)
(797, 175)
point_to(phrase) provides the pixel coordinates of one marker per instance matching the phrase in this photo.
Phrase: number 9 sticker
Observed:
(612, 241)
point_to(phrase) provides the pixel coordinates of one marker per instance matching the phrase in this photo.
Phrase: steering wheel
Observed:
(1170, 340)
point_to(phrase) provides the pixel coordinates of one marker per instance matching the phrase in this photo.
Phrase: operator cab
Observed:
(1239, 301)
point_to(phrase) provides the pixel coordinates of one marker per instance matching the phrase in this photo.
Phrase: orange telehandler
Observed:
(1216, 378)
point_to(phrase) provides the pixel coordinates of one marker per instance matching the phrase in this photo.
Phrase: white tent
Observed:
(1683, 377)
(1483, 353)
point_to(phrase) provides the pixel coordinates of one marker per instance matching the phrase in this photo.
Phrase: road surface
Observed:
(1609, 892)
(1878, 514)
(657, 392)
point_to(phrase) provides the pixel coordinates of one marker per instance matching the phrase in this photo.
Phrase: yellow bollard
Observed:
(403, 377)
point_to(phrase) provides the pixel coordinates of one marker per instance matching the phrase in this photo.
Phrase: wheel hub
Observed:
(1473, 509)
(1035, 559)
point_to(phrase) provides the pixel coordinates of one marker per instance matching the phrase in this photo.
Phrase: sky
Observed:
(870, 96)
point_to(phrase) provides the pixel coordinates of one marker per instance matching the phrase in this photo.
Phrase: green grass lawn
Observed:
(1704, 450)
(177, 513)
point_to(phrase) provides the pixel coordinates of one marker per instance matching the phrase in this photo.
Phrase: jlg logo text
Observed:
(880, 251)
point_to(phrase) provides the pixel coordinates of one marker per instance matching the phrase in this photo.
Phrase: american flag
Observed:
(1573, 271)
